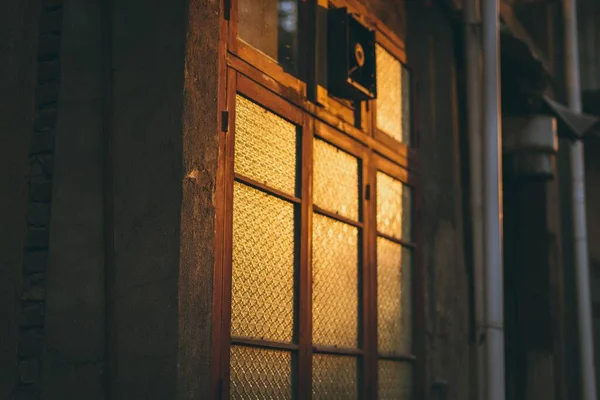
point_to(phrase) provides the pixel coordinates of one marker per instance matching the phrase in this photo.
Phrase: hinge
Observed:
(227, 9)
(368, 192)
(224, 121)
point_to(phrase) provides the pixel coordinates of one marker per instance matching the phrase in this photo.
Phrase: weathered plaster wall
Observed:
(430, 52)
(391, 13)
(18, 67)
(592, 180)
(591, 104)
(73, 362)
(129, 288)
(200, 161)
(532, 284)
(164, 129)
(148, 40)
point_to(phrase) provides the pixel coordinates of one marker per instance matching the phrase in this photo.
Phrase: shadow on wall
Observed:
(591, 104)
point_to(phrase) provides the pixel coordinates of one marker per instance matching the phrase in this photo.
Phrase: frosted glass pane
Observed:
(334, 377)
(260, 373)
(335, 283)
(393, 96)
(265, 146)
(263, 266)
(335, 180)
(394, 298)
(394, 207)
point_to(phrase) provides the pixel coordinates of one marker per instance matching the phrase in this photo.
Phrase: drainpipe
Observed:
(586, 345)
(492, 202)
(474, 122)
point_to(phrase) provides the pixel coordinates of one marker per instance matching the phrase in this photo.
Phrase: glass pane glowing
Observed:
(265, 146)
(335, 283)
(393, 91)
(260, 373)
(395, 380)
(394, 207)
(394, 298)
(334, 377)
(271, 26)
(389, 93)
(262, 302)
(335, 180)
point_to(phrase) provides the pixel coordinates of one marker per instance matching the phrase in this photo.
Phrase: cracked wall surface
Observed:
(73, 359)
(432, 55)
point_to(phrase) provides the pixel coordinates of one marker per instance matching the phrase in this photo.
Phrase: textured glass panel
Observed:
(265, 146)
(334, 377)
(335, 283)
(394, 297)
(335, 182)
(395, 380)
(389, 93)
(394, 207)
(263, 266)
(271, 26)
(260, 373)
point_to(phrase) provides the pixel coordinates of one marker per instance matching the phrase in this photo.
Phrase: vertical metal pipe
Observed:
(596, 40)
(492, 202)
(474, 121)
(580, 245)
(589, 44)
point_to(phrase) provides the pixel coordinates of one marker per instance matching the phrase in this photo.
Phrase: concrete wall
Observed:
(532, 289)
(391, 13)
(431, 54)
(129, 285)
(592, 180)
(201, 117)
(588, 13)
(18, 49)
(74, 328)
(591, 104)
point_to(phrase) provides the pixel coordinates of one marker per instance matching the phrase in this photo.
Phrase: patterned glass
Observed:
(260, 373)
(263, 266)
(394, 207)
(394, 297)
(393, 91)
(265, 146)
(395, 380)
(334, 377)
(335, 283)
(335, 182)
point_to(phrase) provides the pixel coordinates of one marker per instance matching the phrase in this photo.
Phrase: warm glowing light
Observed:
(265, 146)
(335, 180)
(335, 283)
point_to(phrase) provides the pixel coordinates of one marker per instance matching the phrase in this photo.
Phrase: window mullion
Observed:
(370, 278)
(225, 333)
(304, 378)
